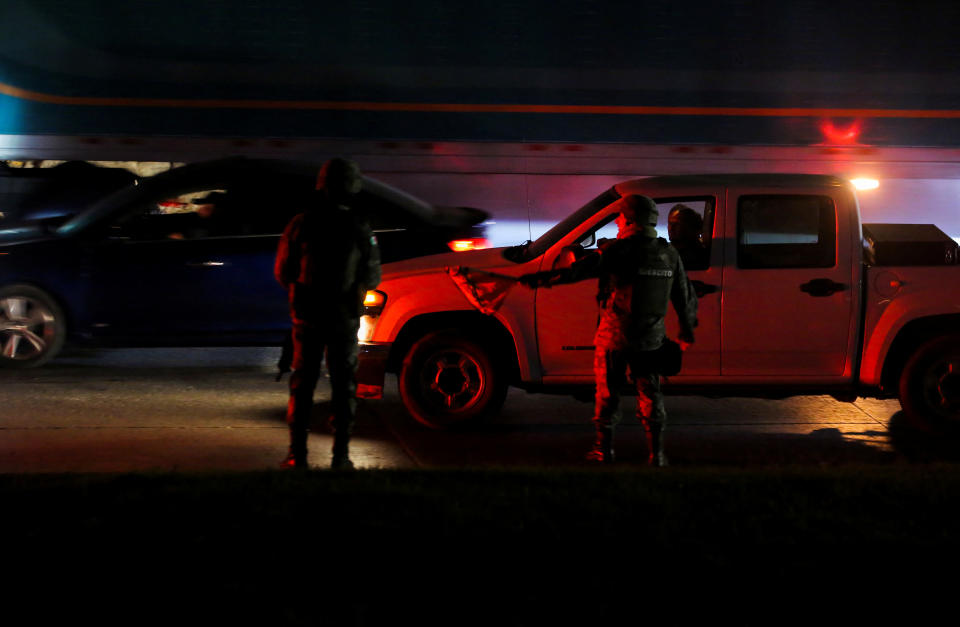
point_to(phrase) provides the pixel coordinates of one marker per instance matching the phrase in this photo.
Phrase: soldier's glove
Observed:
(527, 280)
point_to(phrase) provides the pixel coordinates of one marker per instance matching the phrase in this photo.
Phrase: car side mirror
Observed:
(589, 241)
(566, 258)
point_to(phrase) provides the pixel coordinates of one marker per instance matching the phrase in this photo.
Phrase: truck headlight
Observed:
(373, 303)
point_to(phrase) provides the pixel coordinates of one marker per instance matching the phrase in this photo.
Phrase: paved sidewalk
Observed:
(61, 421)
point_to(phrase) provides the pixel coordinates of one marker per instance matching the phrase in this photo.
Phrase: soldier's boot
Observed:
(654, 433)
(602, 450)
(297, 453)
(299, 409)
(341, 451)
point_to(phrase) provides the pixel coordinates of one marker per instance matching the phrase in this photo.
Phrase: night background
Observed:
(527, 109)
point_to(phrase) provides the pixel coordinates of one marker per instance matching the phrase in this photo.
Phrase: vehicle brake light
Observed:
(841, 136)
(474, 243)
(172, 206)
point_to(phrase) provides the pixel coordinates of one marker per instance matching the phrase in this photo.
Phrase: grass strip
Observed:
(266, 538)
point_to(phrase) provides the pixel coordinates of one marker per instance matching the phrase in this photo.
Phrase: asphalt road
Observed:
(220, 409)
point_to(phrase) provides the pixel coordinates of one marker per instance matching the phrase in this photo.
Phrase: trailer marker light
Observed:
(864, 183)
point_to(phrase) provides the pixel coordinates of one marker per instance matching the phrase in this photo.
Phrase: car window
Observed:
(607, 230)
(191, 215)
(687, 223)
(17, 186)
(209, 212)
(564, 227)
(198, 215)
(786, 231)
(694, 248)
(253, 205)
(384, 215)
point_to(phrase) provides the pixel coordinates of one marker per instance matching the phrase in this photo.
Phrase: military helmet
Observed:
(641, 211)
(339, 175)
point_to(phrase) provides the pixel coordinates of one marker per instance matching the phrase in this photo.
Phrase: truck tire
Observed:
(447, 380)
(930, 386)
(32, 327)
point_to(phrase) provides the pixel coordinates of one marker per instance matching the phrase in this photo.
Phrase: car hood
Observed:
(486, 258)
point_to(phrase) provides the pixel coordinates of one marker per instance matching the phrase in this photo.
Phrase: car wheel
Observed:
(32, 328)
(447, 380)
(930, 385)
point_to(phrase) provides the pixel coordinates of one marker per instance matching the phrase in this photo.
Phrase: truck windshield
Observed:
(559, 230)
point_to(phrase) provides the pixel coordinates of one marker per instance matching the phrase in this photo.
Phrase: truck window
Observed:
(786, 231)
(695, 247)
(688, 223)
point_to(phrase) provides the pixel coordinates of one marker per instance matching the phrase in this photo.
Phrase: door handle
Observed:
(206, 264)
(822, 287)
(701, 289)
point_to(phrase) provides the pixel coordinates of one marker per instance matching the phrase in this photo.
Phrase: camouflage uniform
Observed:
(327, 260)
(638, 274)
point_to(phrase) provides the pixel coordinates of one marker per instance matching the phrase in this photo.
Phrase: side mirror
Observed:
(589, 241)
(566, 258)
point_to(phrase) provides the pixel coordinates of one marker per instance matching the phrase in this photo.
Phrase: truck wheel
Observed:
(32, 328)
(930, 385)
(448, 380)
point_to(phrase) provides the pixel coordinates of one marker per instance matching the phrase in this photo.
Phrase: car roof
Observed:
(654, 183)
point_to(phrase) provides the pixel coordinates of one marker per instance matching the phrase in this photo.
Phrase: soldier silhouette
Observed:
(639, 275)
(327, 260)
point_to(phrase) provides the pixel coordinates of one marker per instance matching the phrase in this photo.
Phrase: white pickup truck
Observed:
(795, 299)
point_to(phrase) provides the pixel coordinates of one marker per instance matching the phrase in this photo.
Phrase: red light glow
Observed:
(835, 136)
(373, 299)
(462, 245)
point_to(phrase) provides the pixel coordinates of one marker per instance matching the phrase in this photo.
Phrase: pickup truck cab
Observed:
(788, 305)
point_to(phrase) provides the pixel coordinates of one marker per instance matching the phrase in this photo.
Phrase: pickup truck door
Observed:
(787, 284)
(567, 315)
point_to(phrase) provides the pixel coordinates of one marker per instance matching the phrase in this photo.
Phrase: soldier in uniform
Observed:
(327, 260)
(638, 274)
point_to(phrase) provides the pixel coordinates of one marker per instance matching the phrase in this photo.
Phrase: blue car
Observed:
(185, 258)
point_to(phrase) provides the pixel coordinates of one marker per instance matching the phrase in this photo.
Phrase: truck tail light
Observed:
(473, 243)
(172, 206)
